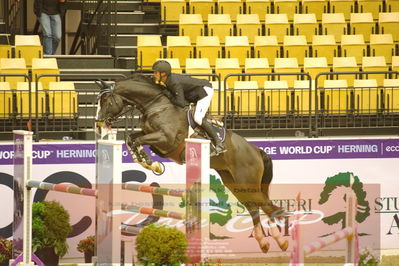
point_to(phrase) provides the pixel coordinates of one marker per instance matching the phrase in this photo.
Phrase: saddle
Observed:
(198, 131)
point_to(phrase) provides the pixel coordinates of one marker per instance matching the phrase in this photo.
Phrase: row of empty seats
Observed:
(335, 97)
(26, 47)
(170, 9)
(59, 101)
(278, 24)
(149, 50)
(313, 66)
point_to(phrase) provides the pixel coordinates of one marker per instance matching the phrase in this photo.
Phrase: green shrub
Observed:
(160, 244)
(50, 227)
(5, 249)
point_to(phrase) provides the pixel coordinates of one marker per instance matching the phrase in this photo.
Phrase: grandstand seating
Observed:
(237, 47)
(362, 23)
(218, 95)
(6, 99)
(288, 7)
(257, 65)
(63, 100)
(191, 25)
(198, 66)
(317, 7)
(249, 25)
(346, 7)
(45, 66)
(391, 95)
(209, 47)
(247, 97)
(353, 45)
(389, 23)
(171, 10)
(314, 66)
(345, 64)
(267, 47)
(149, 48)
(277, 97)
(22, 99)
(395, 63)
(202, 7)
(28, 47)
(375, 63)
(366, 96)
(302, 93)
(335, 97)
(13, 66)
(382, 45)
(220, 25)
(325, 45)
(305, 24)
(296, 46)
(334, 24)
(231, 7)
(372, 6)
(277, 24)
(392, 5)
(5, 47)
(260, 7)
(179, 47)
(225, 66)
(287, 65)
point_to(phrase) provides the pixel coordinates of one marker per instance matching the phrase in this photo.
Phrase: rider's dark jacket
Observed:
(186, 88)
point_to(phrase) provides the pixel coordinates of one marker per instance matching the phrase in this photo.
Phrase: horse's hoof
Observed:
(283, 245)
(264, 245)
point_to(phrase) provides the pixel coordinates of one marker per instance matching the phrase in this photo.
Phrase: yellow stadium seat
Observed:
(277, 97)
(257, 65)
(63, 100)
(287, 65)
(335, 97)
(149, 48)
(6, 100)
(13, 66)
(237, 47)
(391, 95)
(372, 6)
(296, 46)
(345, 64)
(325, 45)
(174, 63)
(218, 95)
(247, 97)
(314, 66)
(277, 25)
(353, 45)
(392, 5)
(232, 7)
(198, 66)
(375, 63)
(305, 24)
(203, 7)
(249, 25)
(334, 24)
(302, 93)
(225, 66)
(366, 96)
(5, 47)
(220, 25)
(288, 7)
(260, 7)
(267, 47)
(45, 66)
(362, 23)
(317, 7)
(209, 47)
(179, 47)
(342, 6)
(389, 23)
(22, 98)
(171, 10)
(382, 45)
(395, 63)
(28, 47)
(191, 25)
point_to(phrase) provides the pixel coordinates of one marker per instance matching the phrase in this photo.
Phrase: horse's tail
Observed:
(267, 171)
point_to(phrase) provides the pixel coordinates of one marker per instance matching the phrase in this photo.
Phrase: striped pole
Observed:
(154, 190)
(328, 240)
(131, 229)
(151, 211)
(61, 188)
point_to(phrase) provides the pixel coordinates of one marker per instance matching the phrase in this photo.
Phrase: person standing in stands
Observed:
(49, 14)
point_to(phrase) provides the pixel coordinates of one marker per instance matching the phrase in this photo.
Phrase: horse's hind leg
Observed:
(271, 211)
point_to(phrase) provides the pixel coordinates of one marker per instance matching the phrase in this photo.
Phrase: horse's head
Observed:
(109, 106)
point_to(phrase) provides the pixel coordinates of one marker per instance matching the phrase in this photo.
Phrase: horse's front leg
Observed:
(133, 147)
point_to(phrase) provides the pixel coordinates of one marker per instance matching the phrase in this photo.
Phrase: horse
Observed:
(245, 169)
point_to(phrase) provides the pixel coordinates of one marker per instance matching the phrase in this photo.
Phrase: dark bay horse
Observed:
(245, 169)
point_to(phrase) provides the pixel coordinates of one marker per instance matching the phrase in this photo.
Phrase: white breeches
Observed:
(203, 105)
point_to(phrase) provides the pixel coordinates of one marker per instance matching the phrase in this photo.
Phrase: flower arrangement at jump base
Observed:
(5, 250)
(368, 257)
(87, 247)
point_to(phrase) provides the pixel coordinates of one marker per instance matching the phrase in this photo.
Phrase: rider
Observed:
(184, 88)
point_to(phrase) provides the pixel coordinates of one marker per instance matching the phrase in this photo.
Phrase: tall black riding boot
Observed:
(219, 146)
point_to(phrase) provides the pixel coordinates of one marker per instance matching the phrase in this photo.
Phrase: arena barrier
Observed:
(349, 234)
(108, 203)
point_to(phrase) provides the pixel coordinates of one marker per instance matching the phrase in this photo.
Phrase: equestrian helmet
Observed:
(162, 66)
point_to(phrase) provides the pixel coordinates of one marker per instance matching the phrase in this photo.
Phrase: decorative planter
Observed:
(88, 256)
(48, 256)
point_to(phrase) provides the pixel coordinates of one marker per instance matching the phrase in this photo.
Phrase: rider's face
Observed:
(160, 76)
